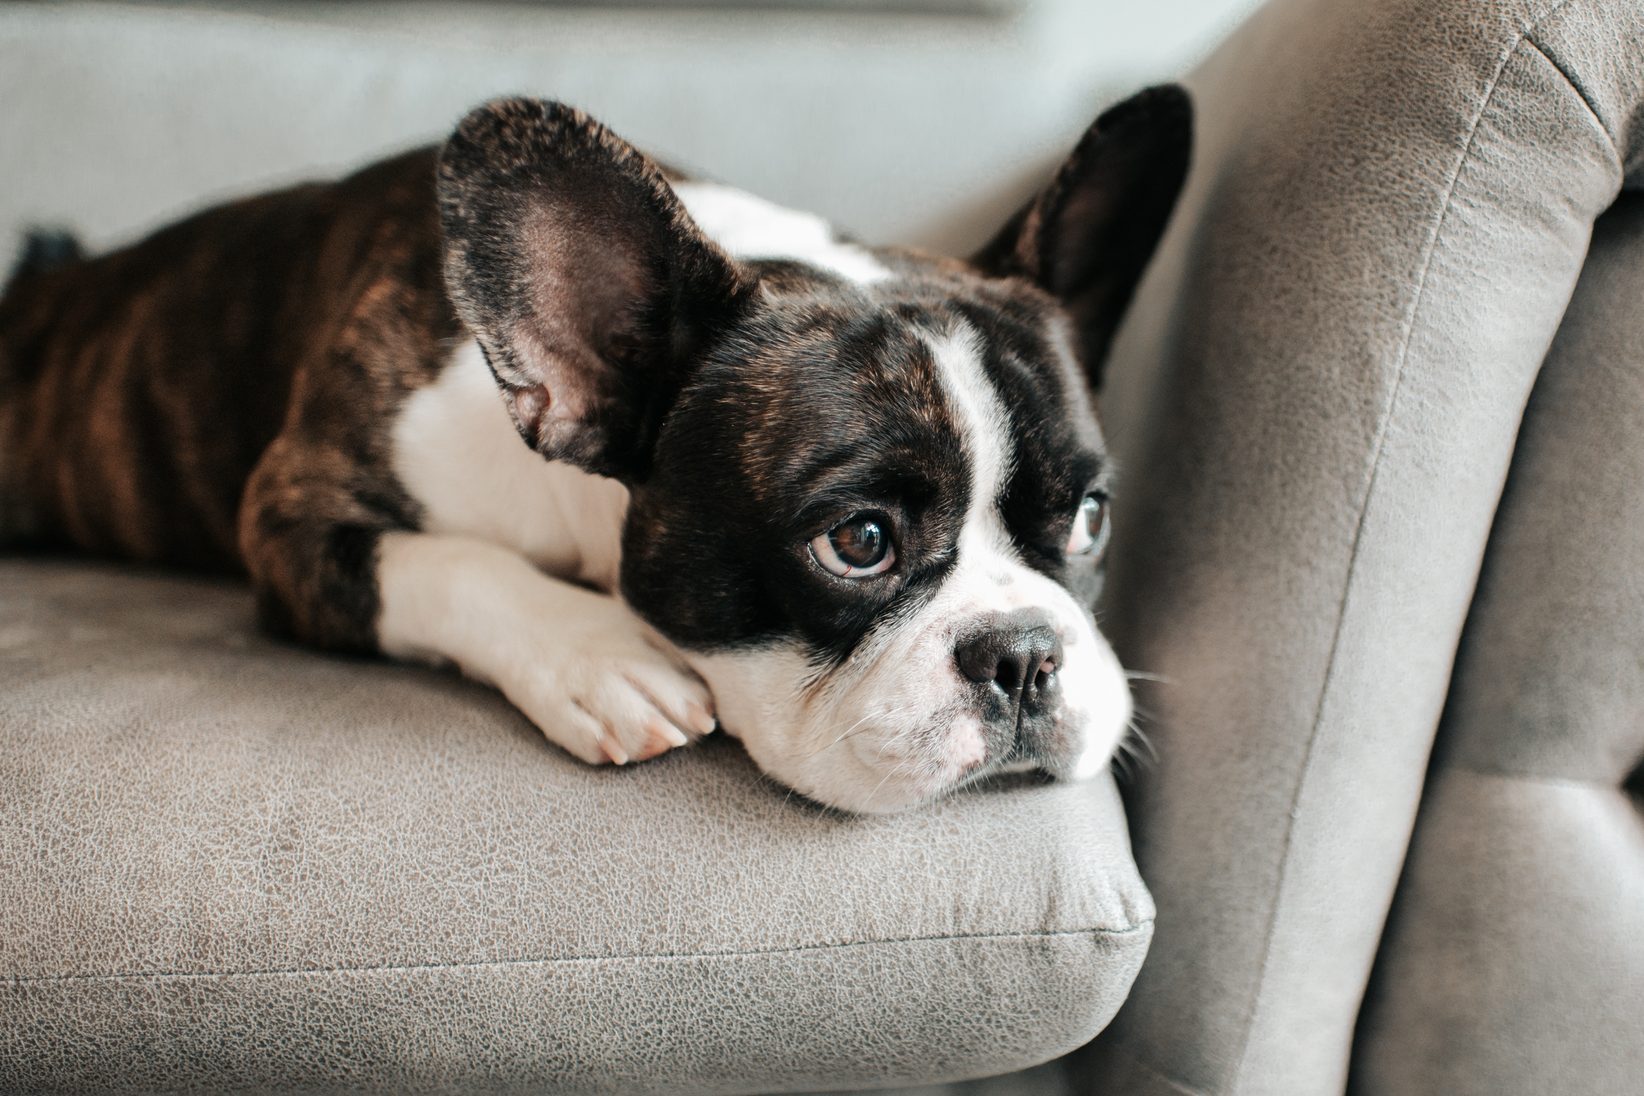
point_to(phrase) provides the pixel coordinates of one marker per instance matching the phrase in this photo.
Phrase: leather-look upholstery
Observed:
(230, 864)
(1514, 961)
(1316, 401)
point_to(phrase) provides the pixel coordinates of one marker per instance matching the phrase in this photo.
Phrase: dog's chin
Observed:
(889, 758)
(891, 767)
(886, 769)
(867, 768)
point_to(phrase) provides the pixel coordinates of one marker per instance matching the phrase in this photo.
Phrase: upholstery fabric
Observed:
(230, 864)
(1514, 961)
(1315, 402)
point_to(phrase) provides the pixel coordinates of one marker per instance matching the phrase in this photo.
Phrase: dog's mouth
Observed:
(904, 721)
(885, 768)
(888, 768)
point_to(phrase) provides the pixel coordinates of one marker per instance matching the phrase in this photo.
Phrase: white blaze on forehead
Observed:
(984, 426)
(747, 227)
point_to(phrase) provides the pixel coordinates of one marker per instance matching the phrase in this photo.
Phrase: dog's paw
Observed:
(609, 691)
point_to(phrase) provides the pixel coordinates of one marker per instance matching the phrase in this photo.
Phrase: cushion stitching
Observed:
(1429, 249)
(391, 968)
(1580, 93)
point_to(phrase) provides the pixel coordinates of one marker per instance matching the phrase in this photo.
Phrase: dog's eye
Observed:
(1089, 534)
(857, 547)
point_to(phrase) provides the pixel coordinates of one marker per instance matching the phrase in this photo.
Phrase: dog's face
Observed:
(875, 523)
(868, 498)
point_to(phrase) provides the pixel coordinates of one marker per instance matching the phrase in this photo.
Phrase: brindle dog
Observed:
(850, 500)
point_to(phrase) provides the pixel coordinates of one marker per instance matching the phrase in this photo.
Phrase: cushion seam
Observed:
(1580, 93)
(1379, 445)
(391, 968)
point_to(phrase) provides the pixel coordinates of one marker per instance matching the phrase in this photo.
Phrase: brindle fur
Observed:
(215, 395)
(220, 395)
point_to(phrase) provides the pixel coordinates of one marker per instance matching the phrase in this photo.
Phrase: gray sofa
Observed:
(1378, 407)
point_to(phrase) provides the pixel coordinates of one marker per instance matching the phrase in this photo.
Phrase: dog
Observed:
(646, 453)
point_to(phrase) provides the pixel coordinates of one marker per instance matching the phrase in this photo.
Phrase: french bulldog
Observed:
(648, 454)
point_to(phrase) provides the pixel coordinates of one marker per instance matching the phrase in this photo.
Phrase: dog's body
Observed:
(835, 495)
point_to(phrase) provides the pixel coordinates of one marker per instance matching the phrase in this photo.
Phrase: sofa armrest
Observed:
(1513, 961)
(1315, 400)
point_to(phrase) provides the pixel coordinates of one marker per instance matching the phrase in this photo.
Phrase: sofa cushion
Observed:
(1514, 961)
(232, 863)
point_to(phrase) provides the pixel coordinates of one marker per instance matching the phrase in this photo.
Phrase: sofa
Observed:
(1377, 407)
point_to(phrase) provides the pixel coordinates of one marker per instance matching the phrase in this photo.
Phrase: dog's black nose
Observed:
(1018, 653)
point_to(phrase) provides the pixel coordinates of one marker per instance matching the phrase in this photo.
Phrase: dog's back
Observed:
(44, 250)
(139, 389)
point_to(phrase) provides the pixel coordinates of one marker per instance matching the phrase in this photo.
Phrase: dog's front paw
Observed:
(611, 693)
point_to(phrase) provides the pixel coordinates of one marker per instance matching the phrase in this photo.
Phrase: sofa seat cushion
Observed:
(238, 864)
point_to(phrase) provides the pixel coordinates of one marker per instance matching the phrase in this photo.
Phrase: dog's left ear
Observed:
(577, 269)
(1089, 235)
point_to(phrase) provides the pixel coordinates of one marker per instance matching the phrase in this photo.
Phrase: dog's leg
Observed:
(593, 676)
(333, 567)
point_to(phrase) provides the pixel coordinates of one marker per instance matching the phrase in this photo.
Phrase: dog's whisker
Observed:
(854, 728)
(861, 725)
(895, 770)
(1135, 749)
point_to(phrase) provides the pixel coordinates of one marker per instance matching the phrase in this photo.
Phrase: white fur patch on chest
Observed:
(457, 454)
(747, 227)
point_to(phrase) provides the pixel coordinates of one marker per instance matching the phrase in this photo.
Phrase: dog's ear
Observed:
(1088, 236)
(571, 260)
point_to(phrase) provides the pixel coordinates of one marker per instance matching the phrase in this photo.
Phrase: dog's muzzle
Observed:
(1012, 660)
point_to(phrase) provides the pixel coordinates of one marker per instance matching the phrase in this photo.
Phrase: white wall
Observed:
(915, 128)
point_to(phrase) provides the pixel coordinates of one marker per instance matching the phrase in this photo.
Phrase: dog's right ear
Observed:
(577, 269)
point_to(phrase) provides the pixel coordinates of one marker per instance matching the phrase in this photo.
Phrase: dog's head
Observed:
(868, 494)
